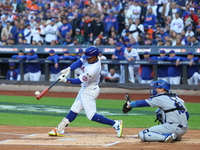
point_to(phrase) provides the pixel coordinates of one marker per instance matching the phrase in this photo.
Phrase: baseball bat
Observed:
(46, 90)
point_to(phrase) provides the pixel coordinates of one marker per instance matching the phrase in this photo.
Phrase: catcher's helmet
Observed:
(90, 52)
(159, 84)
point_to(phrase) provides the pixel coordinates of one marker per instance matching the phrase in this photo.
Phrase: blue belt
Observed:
(179, 125)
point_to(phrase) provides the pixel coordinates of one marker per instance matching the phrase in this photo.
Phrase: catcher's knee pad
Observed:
(159, 115)
(148, 136)
(142, 134)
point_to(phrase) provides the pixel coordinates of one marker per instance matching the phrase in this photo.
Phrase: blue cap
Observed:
(32, 51)
(189, 28)
(126, 39)
(172, 51)
(8, 21)
(27, 9)
(80, 50)
(111, 11)
(66, 52)
(136, 1)
(11, 64)
(146, 53)
(190, 53)
(162, 51)
(51, 51)
(198, 27)
(145, 2)
(53, 20)
(118, 44)
(48, 11)
(129, 45)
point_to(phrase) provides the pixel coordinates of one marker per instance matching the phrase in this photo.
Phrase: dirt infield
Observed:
(36, 138)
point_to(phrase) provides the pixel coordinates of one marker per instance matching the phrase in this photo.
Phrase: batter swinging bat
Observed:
(46, 90)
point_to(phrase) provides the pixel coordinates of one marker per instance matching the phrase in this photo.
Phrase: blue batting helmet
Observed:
(159, 84)
(90, 52)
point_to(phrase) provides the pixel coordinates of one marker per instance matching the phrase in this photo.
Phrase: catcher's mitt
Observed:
(126, 109)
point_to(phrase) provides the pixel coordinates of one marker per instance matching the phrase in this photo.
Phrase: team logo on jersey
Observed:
(84, 78)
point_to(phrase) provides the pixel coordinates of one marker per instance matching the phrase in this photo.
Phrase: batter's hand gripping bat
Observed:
(46, 90)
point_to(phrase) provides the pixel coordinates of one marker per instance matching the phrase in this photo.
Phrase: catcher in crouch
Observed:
(171, 114)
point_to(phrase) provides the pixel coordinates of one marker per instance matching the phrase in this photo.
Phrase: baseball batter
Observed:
(90, 65)
(171, 113)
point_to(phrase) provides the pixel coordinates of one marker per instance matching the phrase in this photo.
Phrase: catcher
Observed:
(171, 113)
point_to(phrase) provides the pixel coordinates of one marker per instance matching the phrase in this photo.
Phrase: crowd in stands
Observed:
(99, 22)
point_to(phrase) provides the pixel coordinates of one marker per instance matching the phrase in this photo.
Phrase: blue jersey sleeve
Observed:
(140, 103)
(76, 64)
(74, 81)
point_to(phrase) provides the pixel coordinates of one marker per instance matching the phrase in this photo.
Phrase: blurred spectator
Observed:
(192, 18)
(197, 32)
(177, 24)
(125, 31)
(136, 28)
(104, 67)
(136, 11)
(68, 41)
(33, 42)
(65, 28)
(110, 21)
(121, 20)
(150, 18)
(12, 73)
(33, 68)
(7, 30)
(119, 55)
(38, 34)
(21, 6)
(146, 70)
(51, 32)
(98, 27)
(194, 41)
(79, 36)
(131, 54)
(189, 32)
(87, 29)
(54, 68)
(174, 9)
(112, 76)
(153, 6)
(143, 11)
(27, 33)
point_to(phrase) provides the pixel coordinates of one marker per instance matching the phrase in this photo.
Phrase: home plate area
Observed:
(72, 139)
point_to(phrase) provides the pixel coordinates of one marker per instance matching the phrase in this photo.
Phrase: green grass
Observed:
(27, 111)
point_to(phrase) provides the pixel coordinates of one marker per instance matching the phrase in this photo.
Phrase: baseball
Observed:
(37, 93)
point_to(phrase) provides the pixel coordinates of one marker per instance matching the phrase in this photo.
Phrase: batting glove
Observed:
(66, 71)
(62, 78)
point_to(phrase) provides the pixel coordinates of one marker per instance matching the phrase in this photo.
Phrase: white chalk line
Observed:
(113, 143)
(12, 133)
(32, 135)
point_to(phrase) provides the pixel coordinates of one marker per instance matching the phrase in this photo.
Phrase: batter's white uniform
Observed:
(173, 121)
(86, 98)
(133, 69)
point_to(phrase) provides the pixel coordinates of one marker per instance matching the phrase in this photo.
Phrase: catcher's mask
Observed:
(159, 84)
